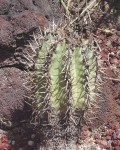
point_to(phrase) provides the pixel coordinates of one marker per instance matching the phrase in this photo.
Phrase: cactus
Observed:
(66, 74)
(66, 79)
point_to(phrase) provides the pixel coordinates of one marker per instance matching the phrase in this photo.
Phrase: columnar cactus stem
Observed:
(65, 75)
(57, 75)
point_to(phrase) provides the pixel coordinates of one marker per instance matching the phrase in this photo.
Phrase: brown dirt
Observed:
(110, 105)
(107, 35)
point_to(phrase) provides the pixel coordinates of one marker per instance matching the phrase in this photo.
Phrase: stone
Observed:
(118, 22)
(27, 21)
(30, 143)
(13, 92)
(6, 33)
(4, 6)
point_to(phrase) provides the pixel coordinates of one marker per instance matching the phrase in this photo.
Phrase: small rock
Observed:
(85, 128)
(109, 142)
(83, 137)
(116, 135)
(108, 138)
(2, 131)
(114, 61)
(118, 33)
(13, 142)
(85, 133)
(4, 146)
(118, 142)
(20, 149)
(32, 136)
(108, 43)
(117, 147)
(103, 143)
(115, 125)
(97, 141)
(115, 143)
(109, 132)
(118, 23)
(96, 136)
(4, 139)
(30, 143)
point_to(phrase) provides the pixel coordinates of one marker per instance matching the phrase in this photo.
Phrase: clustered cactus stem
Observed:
(66, 75)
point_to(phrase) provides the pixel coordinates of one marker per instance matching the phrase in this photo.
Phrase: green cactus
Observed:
(66, 74)
(57, 76)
